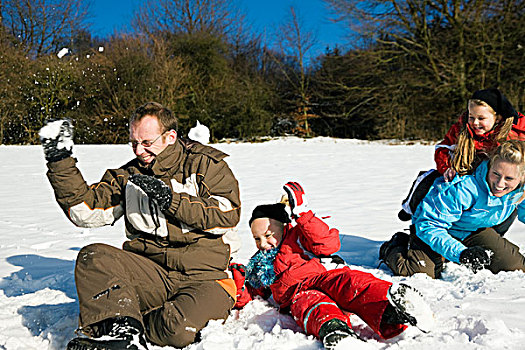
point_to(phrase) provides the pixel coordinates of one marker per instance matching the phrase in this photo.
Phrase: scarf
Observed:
(259, 271)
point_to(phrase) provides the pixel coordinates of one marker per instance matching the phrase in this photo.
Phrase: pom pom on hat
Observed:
(495, 99)
(272, 211)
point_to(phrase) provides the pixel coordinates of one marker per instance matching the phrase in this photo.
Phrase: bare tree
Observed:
(294, 46)
(457, 42)
(41, 26)
(430, 55)
(216, 17)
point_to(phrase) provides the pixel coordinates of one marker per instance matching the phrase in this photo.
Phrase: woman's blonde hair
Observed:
(512, 151)
(465, 152)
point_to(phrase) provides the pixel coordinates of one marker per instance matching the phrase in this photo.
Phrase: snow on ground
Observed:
(359, 184)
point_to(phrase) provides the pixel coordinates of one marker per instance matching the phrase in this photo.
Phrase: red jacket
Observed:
(292, 265)
(483, 143)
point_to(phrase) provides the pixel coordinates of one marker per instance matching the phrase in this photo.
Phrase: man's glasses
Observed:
(145, 143)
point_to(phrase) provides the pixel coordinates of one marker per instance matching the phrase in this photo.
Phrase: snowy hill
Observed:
(359, 184)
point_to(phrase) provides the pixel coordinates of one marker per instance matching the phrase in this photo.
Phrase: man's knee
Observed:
(90, 255)
(94, 249)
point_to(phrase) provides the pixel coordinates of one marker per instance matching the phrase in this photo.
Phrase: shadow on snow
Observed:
(358, 250)
(54, 322)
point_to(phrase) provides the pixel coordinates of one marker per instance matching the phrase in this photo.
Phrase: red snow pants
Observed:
(335, 293)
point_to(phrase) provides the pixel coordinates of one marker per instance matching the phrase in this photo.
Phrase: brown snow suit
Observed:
(171, 274)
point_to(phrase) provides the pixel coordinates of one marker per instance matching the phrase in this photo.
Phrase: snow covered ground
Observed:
(359, 184)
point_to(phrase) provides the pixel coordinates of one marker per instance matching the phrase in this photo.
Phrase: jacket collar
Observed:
(169, 158)
(486, 136)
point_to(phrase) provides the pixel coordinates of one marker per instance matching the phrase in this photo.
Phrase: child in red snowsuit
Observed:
(320, 300)
(489, 120)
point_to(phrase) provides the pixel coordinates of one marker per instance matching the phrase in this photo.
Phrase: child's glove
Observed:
(475, 258)
(296, 198)
(157, 190)
(332, 262)
(239, 274)
(56, 138)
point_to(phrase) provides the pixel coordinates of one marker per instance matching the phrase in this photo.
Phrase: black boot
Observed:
(407, 306)
(118, 334)
(333, 331)
(399, 239)
(98, 344)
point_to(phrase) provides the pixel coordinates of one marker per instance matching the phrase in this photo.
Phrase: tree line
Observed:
(405, 72)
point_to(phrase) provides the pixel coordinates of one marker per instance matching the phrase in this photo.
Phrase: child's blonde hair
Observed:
(465, 152)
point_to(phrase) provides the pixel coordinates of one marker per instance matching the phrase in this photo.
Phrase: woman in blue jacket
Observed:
(456, 220)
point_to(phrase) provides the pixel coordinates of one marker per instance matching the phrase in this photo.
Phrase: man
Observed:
(180, 203)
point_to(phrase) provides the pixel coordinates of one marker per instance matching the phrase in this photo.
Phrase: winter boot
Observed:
(407, 306)
(333, 331)
(399, 239)
(99, 344)
(122, 333)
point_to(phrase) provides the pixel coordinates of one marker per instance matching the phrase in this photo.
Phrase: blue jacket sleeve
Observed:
(521, 212)
(435, 216)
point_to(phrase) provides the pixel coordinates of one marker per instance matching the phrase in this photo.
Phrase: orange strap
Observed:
(229, 286)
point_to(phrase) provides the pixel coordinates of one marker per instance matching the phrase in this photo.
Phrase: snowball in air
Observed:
(200, 133)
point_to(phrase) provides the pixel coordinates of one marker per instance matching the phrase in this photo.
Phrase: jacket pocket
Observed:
(205, 255)
(155, 252)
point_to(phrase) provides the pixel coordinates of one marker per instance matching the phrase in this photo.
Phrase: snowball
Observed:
(51, 130)
(64, 51)
(200, 133)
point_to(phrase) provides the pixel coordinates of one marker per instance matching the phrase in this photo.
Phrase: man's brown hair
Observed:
(165, 116)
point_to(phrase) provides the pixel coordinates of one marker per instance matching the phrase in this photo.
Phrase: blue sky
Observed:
(263, 15)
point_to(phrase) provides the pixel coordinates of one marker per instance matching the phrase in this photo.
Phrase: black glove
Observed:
(475, 258)
(57, 139)
(157, 190)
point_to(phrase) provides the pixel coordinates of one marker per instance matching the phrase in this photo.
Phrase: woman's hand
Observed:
(449, 174)
(476, 258)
